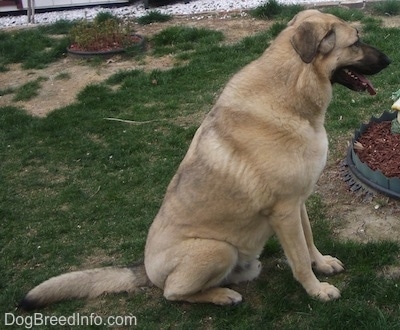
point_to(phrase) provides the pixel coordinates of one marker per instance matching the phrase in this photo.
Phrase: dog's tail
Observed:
(86, 284)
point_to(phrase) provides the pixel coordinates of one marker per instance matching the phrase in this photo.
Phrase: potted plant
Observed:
(374, 156)
(105, 35)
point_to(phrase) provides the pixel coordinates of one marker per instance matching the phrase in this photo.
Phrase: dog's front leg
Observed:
(288, 226)
(327, 265)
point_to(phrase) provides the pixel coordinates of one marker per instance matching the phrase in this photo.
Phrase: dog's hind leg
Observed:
(244, 271)
(201, 271)
(287, 224)
(327, 265)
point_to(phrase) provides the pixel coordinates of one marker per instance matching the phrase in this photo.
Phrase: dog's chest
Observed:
(310, 159)
(295, 166)
(317, 153)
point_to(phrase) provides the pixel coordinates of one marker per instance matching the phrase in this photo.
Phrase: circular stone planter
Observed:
(139, 42)
(373, 179)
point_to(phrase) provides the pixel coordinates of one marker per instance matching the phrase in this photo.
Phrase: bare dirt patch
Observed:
(352, 218)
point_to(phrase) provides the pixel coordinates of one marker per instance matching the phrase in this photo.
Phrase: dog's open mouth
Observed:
(354, 80)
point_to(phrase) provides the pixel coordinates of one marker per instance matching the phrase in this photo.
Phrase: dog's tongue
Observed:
(370, 88)
(365, 83)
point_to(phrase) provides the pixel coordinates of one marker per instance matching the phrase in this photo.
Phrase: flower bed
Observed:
(374, 156)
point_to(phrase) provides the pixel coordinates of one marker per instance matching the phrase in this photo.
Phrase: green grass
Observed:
(182, 38)
(33, 48)
(273, 10)
(29, 90)
(104, 16)
(350, 15)
(7, 91)
(79, 191)
(387, 7)
(60, 27)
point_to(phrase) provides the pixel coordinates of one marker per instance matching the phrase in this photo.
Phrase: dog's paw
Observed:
(225, 296)
(325, 292)
(328, 265)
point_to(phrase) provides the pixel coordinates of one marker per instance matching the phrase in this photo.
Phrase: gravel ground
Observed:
(137, 9)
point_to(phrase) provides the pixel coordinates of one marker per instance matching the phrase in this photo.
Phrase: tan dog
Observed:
(247, 174)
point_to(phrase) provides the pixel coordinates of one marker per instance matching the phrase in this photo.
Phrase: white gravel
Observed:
(137, 9)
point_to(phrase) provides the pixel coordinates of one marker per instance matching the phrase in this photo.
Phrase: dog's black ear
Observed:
(309, 38)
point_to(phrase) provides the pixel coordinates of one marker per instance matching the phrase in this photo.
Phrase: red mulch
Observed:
(381, 149)
(105, 45)
(99, 47)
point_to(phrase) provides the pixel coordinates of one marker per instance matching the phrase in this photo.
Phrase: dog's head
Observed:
(336, 46)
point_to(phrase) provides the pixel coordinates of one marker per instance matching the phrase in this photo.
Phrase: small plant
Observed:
(152, 17)
(105, 33)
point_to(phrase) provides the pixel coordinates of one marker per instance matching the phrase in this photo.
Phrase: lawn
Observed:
(79, 191)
